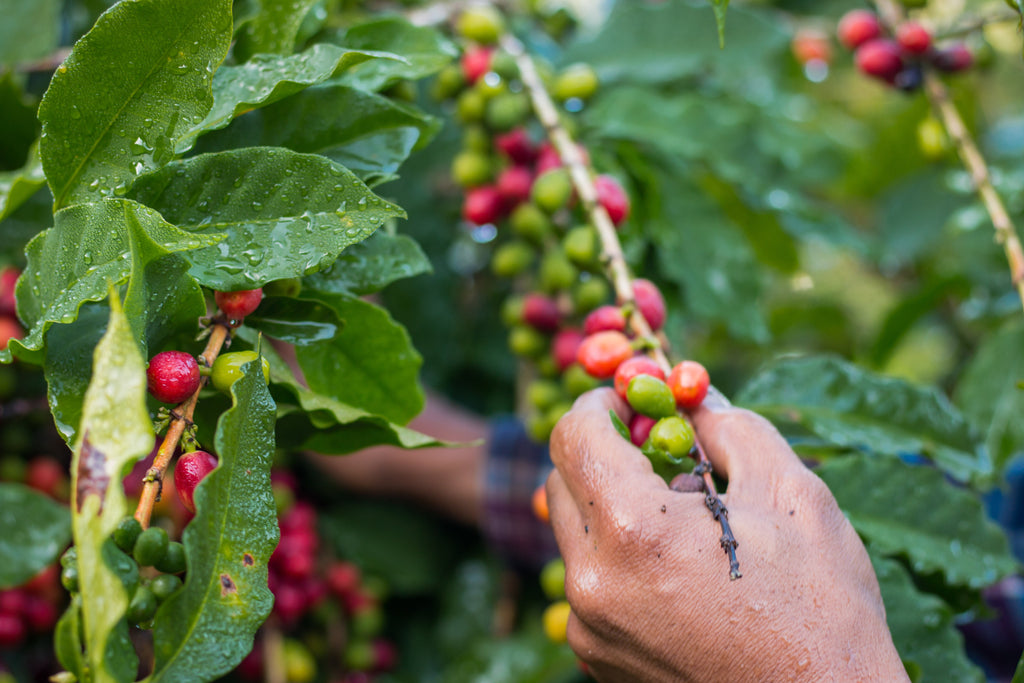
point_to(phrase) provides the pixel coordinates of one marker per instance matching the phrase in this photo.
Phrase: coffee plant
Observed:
(235, 232)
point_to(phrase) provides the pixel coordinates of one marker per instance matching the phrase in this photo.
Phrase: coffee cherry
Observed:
(576, 81)
(811, 45)
(9, 329)
(12, 630)
(637, 365)
(601, 354)
(565, 346)
(952, 59)
(577, 382)
(590, 293)
(556, 271)
(227, 369)
(541, 312)
(650, 396)
(164, 586)
(69, 578)
(450, 80)
(172, 376)
(40, 614)
(46, 475)
(543, 393)
(880, 58)
(142, 606)
(673, 435)
(191, 469)
(858, 27)
(299, 663)
(126, 533)
(236, 305)
(612, 196)
(604, 318)
(476, 61)
(552, 579)
(482, 24)
(640, 429)
(649, 302)
(8, 279)
(689, 382)
(932, 139)
(511, 259)
(530, 223)
(471, 169)
(482, 205)
(512, 311)
(910, 78)
(913, 38)
(517, 146)
(173, 561)
(556, 621)
(151, 546)
(539, 504)
(507, 110)
(514, 184)
(552, 190)
(581, 245)
(471, 106)
(526, 341)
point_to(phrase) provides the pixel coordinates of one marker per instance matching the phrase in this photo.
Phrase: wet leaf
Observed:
(371, 265)
(17, 186)
(36, 530)
(296, 321)
(29, 30)
(273, 29)
(424, 49)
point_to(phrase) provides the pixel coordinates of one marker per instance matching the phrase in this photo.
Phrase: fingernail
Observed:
(716, 401)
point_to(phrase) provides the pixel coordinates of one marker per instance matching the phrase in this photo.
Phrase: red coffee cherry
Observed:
(858, 27)
(238, 304)
(476, 61)
(601, 354)
(9, 329)
(541, 312)
(689, 382)
(482, 205)
(12, 630)
(565, 346)
(612, 196)
(604, 318)
(880, 58)
(45, 475)
(548, 158)
(640, 428)
(914, 38)
(191, 469)
(8, 279)
(172, 376)
(517, 146)
(811, 45)
(638, 365)
(514, 185)
(954, 58)
(650, 303)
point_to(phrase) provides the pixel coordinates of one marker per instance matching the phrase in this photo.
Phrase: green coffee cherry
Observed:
(173, 561)
(589, 294)
(511, 259)
(483, 24)
(470, 169)
(552, 190)
(507, 110)
(577, 381)
(555, 412)
(556, 271)
(578, 80)
(650, 396)
(504, 64)
(525, 341)
(539, 428)
(476, 139)
(164, 586)
(542, 394)
(512, 311)
(151, 546)
(126, 533)
(581, 246)
(69, 558)
(227, 369)
(547, 367)
(530, 223)
(69, 578)
(471, 106)
(552, 579)
(449, 81)
(142, 606)
(673, 435)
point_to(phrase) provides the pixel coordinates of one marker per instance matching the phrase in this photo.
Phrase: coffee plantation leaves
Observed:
(295, 321)
(913, 511)
(266, 78)
(133, 85)
(369, 134)
(90, 247)
(205, 630)
(370, 365)
(854, 408)
(284, 213)
(35, 528)
(273, 29)
(116, 431)
(922, 627)
(424, 49)
(989, 392)
(17, 186)
(67, 638)
(29, 30)
(371, 265)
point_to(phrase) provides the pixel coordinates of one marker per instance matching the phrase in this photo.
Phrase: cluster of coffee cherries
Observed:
(10, 328)
(900, 59)
(30, 608)
(311, 589)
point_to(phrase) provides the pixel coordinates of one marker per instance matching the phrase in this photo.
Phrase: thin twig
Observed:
(614, 259)
(1001, 16)
(974, 162)
(181, 418)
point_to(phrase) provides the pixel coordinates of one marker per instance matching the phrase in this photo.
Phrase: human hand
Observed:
(649, 584)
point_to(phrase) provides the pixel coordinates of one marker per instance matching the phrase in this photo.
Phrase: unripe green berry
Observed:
(470, 169)
(650, 396)
(512, 311)
(69, 558)
(507, 110)
(578, 80)
(173, 561)
(491, 86)
(526, 341)
(577, 382)
(511, 259)
(471, 106)
(142, 606)
(546, 366)
(126, 533)
(69, 578)
(151, 546)
(581, 246)
(359, 655)
(530, 223)
(163, 586)
(539, 428)
(555, 412)
(504, 64)
(552, 190)
(227, 369)
(589, 294)
(552, 579)
(482, 24)
(556, 272)
(542, 394)
(449, 81)
(476, 139)
(673, 435)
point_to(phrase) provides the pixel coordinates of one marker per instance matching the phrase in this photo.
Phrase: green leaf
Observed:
(29, 31)
(267, 78)
(296, 321)
(68, 365)
(902, 318)
(369, 134)
(20, 128)
(204, 630)
(913, 511)
(1018, 675)
(425, 50)
(913, 215)
(18, 186)
(285, 214)
(116, 431)
(371, 265)
(371, 364)
(131, 87)
(922, 627)
(619, 425)
(67, 638)
(36, 530)
(90, 247)
(851, 407)
(274, 29)
(989, 395)
(720, 7)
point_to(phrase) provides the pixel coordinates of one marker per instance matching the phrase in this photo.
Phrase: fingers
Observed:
(742, 445)
(598, 466)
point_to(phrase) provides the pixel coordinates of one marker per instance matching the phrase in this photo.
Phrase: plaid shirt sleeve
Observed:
(516, 466)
